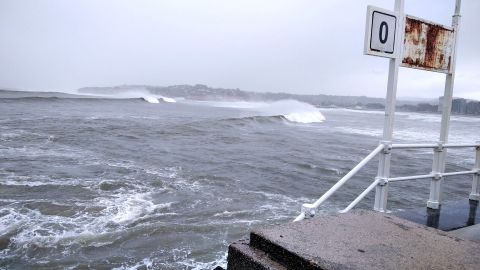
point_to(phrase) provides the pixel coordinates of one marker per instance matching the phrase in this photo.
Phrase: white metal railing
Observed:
(437, 175)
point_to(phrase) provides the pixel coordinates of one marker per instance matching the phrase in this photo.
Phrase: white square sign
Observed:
(380, 32)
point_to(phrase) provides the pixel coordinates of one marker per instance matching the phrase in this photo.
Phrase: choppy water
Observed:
(126, 184)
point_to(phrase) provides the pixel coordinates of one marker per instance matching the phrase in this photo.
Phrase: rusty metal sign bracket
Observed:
(428, 45)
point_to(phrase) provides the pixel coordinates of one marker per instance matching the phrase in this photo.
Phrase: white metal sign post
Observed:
(438, 166)
(384, 35)
(416, 43)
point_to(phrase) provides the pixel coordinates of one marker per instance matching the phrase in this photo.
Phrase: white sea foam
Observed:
(10, 221)
(411, 134)
(150, 99)
(85, 228)
(10, 135)
(280, 206)
(352, 110)
(156, 99)
(306, 117)
(468, 119)
(431, 118)
(168, 172)
(360, 131)
(405, 135)
(39, 152)
(181, 258)
(221, 260)
(35, 183)
(167, 99)
(146, 263)
(132, 208)
(12, 179)
(230, 213)
(13, 134)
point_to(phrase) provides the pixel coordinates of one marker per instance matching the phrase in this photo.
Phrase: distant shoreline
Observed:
(460, 106)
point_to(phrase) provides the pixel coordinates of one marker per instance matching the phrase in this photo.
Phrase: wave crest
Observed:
(305, 117)
(290, 110)
(138, 93)
(150, 99)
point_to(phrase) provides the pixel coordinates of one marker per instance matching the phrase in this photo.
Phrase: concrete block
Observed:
(363, 240)
(241, 256)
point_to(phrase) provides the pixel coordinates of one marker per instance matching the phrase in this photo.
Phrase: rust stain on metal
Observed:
(427, 45)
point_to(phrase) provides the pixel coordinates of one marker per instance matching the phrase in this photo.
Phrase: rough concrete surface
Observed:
(364, 240)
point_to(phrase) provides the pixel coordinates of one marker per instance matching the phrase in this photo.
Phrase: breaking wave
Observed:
(156, 99)
(142, 94)
(305, 117)
(290, 110)
(150, 99)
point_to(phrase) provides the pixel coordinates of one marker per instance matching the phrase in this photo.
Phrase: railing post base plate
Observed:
(433, 205)
(382, 210)
(474, 197)
(381, 193)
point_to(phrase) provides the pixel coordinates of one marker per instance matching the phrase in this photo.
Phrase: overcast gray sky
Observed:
(297, 46)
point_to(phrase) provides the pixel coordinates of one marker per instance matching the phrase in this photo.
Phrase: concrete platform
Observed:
(356, 240)
(451, 215)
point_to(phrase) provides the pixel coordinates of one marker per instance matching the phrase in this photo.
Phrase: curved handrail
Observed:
(311, 207)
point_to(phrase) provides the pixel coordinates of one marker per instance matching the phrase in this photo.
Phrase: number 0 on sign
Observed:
(380, 32)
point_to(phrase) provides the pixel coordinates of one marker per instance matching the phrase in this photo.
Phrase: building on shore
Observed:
(462, 106)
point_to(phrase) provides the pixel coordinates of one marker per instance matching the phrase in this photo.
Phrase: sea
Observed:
(167, 183)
